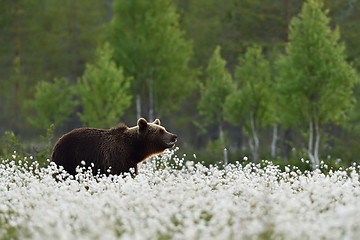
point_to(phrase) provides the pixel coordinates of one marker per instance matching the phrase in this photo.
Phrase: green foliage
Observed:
(50, 39)
(10, 143)
(12, 148)
(253, 95)
(41, 156)
(251, 103)
(103, 91)
(53, 102)
(216, 147)
(69, 31)
(315, 78)
(42, 39)
(148, 42)
(316, 83)
(236, 25)
(218, 85)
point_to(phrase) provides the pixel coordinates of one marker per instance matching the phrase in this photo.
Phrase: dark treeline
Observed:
(221, 74)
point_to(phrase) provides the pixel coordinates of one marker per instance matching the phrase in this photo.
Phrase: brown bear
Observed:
(111, 151)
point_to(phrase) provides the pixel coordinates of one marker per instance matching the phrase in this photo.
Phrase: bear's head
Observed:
(155, 137)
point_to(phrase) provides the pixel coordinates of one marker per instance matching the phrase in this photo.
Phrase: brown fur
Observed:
(120, 148)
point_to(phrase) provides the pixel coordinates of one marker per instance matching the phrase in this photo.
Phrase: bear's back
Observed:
(81, 144)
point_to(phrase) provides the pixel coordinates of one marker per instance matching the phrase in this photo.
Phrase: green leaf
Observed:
(104, 91)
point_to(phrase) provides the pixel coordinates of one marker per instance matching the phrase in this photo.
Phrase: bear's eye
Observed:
(162, 131)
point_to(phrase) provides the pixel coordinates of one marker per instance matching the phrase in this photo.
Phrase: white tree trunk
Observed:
(317, 145)
(313, 147)
(274, 140)
(221, 134)
(226, 158)
(254, 140)
(310, 145)
(138, 106)
(221, 137)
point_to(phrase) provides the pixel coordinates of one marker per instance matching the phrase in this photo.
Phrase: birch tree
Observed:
(150, 45)
(217, 86)
(250, 104)
(316, 84)
(104, 91)
(53, 103)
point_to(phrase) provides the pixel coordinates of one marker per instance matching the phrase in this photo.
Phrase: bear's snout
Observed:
(172, 140)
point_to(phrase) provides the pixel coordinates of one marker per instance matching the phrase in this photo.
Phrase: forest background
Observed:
(220, 74)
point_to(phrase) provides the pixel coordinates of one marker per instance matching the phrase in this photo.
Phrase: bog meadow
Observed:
(263, 96)
(175, 198)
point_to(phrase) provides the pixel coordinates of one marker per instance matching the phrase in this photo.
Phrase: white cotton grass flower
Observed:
(179, 199)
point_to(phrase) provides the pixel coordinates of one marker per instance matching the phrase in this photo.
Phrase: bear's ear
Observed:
(157, 122)
(142, 123)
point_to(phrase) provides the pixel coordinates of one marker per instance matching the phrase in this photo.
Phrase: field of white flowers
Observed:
(182, 200)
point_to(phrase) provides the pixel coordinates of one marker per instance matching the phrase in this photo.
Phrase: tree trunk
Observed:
(151, 97)
(286, 144)
(274, 140)
(17, 72)
(317, 144)
(75, 43)
(109, 10)
(254, 140)
(310, 145)
(138, 106)
(226, 158)
(221, 137)
(221, 133)
(286, 20)
(313, 151)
